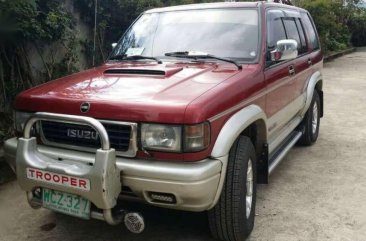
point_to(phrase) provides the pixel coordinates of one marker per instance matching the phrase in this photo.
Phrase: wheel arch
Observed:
(250, 121)
(315, 83)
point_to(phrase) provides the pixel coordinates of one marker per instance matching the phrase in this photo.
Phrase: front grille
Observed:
(75, 135)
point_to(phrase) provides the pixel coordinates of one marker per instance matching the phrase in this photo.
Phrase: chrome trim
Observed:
(132, 148)
(73, 119)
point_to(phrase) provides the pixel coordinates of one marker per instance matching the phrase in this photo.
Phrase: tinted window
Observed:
(292, 32)
(304, 46)
(309, 27)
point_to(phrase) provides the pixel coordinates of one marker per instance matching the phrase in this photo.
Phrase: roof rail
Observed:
(287, 2)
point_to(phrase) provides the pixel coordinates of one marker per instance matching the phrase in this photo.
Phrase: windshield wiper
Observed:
(134, 57)
(200, 55)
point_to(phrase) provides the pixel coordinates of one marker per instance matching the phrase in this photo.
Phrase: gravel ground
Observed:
(316, 193)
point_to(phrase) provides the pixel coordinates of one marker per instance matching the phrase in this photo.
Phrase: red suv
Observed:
(195, 106)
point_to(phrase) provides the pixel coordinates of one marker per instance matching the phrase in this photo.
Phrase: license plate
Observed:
(66, 203)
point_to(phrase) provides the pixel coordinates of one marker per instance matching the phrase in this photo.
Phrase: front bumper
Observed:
(195, 185)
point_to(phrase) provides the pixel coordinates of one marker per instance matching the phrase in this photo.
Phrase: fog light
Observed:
(162, 197)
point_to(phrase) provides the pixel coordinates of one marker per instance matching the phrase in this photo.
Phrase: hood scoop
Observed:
(134, 71)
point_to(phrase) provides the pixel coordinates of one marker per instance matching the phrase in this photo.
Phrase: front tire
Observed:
(232, 219)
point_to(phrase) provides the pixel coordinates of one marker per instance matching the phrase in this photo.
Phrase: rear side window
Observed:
(310, 30)
(291, 31)
(304, 45)
(294, 32)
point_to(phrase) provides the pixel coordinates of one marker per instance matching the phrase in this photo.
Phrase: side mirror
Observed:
(286, 49)
(114, 45)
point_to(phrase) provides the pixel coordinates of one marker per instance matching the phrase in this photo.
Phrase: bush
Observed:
(358, 28)
(335, 22)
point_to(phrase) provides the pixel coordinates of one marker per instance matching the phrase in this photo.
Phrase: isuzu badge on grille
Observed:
(82, 134)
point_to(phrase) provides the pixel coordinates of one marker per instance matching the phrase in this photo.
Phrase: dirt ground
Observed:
(316, 193)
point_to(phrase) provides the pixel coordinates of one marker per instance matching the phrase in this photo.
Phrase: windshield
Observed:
(226, 33)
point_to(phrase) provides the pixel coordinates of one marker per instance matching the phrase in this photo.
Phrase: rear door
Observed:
(312, 61)
(295, 30)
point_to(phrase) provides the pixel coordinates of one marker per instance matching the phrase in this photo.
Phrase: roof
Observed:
(220, 5)
(205, 6)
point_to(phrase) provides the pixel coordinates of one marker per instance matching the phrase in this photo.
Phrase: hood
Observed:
(128, 92)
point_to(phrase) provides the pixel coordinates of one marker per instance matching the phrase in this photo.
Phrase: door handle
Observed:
(291, 70)
(310, 62)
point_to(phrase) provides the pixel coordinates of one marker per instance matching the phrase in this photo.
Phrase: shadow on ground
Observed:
(6, 173)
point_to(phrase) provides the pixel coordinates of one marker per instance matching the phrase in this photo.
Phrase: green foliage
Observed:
(358, 27)
(5, 127)
(332, 18)
(114, 17)
(33, 24)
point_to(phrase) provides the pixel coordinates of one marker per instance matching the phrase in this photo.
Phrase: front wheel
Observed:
(232, 219)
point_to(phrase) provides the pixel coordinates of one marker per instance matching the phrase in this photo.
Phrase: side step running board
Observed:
(283, 150)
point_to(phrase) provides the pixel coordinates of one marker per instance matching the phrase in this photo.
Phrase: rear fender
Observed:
(313, 81)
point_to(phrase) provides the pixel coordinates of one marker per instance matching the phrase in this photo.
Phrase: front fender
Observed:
(236, 125)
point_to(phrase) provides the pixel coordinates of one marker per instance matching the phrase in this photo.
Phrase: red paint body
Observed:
(187, 94)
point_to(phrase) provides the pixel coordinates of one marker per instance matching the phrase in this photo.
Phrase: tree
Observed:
(36, 23)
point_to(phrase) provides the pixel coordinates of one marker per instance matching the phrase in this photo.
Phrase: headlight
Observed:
(19, 120)
(189, 138)
(161, 137)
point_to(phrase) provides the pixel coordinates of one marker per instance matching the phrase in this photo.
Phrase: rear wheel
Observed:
(311, 122)
(232, 219)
